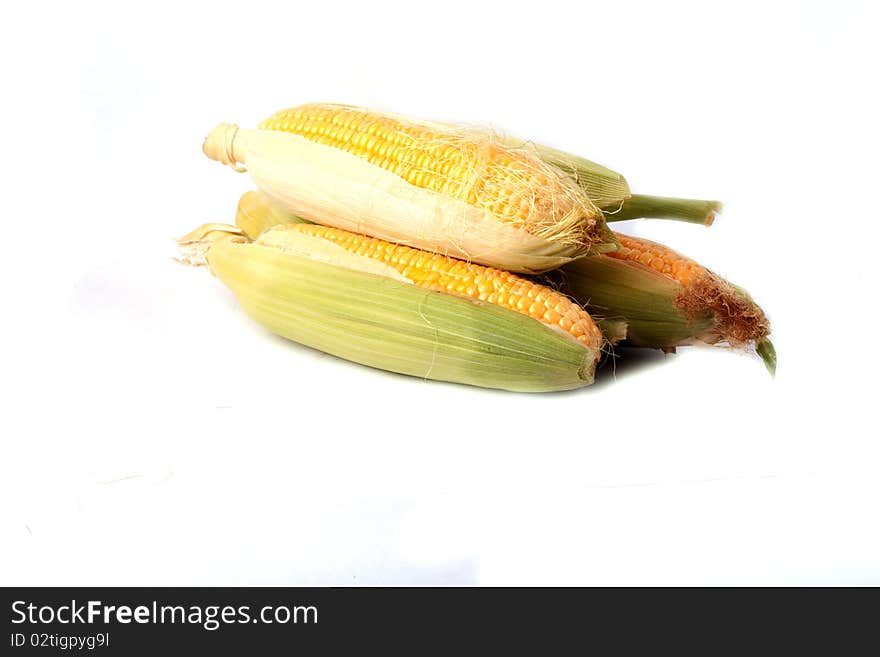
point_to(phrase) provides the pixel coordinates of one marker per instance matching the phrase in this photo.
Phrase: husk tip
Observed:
(767, 352)
(192, 248)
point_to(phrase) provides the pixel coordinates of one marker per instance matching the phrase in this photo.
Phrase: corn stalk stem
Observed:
(641, 206)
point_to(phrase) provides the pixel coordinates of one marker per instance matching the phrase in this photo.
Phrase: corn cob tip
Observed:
(194, 246)
(220, 145)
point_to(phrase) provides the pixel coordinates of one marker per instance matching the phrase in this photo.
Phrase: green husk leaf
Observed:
(608, 242)
(767, 352)
(643, 298)
(641, 206)
(606, 188)
(398, 327)
(613, 330)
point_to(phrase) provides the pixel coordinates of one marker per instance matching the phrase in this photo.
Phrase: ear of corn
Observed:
(667, 300)
(381, 305)
(645, 298)
(456, 192)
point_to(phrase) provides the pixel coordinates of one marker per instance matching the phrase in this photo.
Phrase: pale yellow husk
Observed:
(335, 188)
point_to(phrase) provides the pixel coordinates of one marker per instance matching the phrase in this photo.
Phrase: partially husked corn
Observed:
(458, 192)
(403, 310)
(510, 184)
(667, 299)
(443, 274)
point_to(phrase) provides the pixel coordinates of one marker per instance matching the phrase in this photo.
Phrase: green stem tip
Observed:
(641, 206)
(767, 352)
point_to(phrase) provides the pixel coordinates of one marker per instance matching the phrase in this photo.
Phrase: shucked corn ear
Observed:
(455, 191)
(666, 299)
(400, 309)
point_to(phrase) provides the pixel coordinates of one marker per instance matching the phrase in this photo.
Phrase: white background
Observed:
(152, 434)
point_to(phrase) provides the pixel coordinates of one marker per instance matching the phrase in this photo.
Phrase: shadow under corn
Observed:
(627, 361)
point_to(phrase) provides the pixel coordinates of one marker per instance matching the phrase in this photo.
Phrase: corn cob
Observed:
(454, 191)
(404, 310)
(667, 299)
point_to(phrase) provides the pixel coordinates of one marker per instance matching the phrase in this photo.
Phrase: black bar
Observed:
(219, 621)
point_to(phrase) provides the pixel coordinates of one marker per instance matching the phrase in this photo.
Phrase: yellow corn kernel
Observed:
(660, 258)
